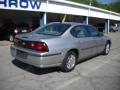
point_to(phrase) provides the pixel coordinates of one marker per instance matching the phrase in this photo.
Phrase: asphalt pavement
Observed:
(98, 73)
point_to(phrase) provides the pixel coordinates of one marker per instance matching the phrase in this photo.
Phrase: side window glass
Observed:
(79, 32)
(93, 31)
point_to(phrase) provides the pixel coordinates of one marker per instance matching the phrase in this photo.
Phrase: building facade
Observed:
(40, 12)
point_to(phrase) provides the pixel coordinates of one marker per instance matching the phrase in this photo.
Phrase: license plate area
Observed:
(21, 54)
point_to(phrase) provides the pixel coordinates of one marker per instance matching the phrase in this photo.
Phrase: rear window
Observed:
(55, 29)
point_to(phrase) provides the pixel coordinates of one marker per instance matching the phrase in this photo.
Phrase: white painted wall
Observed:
(68, 7)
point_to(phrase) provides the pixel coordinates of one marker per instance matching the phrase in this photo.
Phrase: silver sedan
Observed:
(60, 44)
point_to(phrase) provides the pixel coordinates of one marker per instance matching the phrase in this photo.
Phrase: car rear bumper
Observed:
(41, 60)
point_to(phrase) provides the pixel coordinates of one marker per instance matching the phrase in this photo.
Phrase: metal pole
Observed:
(87, 19)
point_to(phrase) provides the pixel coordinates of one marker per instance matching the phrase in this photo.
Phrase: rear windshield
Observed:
(55, 29)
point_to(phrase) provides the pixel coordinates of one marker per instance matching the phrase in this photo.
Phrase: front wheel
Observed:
(107, 49)
(69, 62)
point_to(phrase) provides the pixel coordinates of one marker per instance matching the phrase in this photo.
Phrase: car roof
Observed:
(71, 23)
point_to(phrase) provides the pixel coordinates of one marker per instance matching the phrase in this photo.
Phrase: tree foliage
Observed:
(93, 2)
(112, 6)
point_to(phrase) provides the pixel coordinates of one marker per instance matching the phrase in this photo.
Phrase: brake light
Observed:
(32, 45)
(15, 31)
(39, 46)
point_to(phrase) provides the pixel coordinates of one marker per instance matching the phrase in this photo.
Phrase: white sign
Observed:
(20, 4)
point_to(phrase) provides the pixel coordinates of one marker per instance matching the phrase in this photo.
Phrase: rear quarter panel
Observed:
(60, 45)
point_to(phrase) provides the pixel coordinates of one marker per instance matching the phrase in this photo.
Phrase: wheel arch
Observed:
(109, 41)
(76, 51)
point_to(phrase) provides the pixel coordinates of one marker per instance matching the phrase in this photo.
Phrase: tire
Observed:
(69, 62)
(11, 38)
(107, 49)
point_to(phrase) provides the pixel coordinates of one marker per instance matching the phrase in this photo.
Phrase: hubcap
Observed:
(107, 48)
(71, 61)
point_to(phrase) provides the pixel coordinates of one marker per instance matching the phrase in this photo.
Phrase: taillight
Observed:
(32, 45)
(39, 46)
(15, 31)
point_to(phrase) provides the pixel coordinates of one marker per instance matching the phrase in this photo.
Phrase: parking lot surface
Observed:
(5, 43)
(98, 73)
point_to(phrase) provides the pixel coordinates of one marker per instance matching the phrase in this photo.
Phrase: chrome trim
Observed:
(47, 55)
(93, 46)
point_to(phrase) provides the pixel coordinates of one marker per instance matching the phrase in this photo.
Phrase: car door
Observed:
(98, 38)
(85, 42)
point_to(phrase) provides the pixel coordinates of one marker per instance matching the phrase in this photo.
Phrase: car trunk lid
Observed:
(34, 37)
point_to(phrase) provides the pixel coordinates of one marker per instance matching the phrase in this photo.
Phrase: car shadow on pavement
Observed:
(34, 70)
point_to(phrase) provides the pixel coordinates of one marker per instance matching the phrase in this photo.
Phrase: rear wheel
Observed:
(107, 49)
(69, 61)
